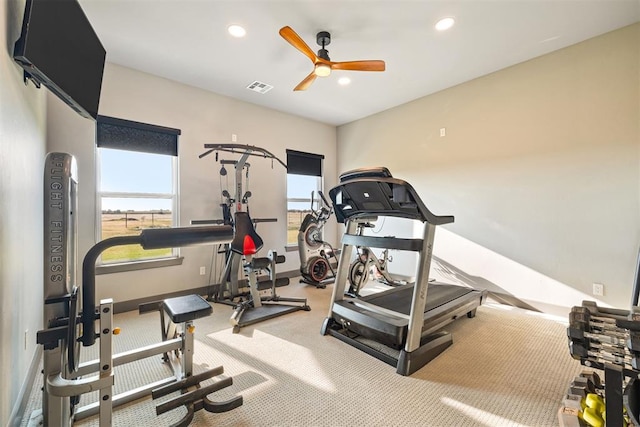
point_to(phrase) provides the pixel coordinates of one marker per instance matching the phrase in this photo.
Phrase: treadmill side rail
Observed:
(419, 300)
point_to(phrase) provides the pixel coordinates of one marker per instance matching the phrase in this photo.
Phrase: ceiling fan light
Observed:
(322, 70)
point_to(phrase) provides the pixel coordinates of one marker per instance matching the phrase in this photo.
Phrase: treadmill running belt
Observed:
(399, 299)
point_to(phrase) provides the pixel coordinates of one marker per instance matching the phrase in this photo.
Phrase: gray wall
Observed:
(22, 152)
(539, 166)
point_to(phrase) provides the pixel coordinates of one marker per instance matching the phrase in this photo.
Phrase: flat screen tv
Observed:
(59, 49)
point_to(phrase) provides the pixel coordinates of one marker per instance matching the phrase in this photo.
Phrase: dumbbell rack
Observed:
(607, 339)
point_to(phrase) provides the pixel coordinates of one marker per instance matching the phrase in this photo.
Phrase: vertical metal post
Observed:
(613, 381)
(239, 166)
(419, 299)
(106, 361)
(56, 410)
(59, 275)
(636, 285)
(253, 283)
(187, 353)
(343, 267)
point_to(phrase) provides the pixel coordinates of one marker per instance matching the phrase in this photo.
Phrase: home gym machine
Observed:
(606, 339)
(70, 318)
(402, 325)
(316, 255)
(249, 307)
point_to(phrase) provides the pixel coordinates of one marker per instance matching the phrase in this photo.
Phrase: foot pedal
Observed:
(266, 284)
(260, 263)
(282, 281)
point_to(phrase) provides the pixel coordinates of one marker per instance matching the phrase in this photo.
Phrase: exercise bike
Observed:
(316, 255)
(368, 264)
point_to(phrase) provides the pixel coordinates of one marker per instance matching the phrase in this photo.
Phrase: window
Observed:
(137, 184)
(304, 177)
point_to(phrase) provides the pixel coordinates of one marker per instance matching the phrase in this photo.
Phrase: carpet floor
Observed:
(506, 367)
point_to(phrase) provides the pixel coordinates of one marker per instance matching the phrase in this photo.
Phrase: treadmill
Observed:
(400, 326)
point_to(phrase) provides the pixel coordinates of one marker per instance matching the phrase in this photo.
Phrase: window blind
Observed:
(128, 135)
(301, 163)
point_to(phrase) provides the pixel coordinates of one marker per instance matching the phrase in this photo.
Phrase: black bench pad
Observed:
(187, 307)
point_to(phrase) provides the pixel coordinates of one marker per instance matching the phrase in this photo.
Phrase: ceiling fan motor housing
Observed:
(323, 38)
(324, 54)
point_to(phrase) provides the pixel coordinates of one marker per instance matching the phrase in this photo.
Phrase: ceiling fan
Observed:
(322, 65)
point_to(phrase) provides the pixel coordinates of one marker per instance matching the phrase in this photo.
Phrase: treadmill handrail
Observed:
(381, 196)
(401, 244)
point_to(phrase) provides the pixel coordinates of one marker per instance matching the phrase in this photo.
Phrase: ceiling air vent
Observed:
(259, 87)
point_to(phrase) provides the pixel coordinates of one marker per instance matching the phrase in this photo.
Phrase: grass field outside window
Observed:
(131, 223)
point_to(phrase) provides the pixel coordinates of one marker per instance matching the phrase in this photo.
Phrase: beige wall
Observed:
(203, 117)
(539, 166)
(22, 152)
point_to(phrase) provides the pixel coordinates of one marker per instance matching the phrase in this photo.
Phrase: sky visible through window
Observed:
(300, 187)
(129, 171)
(133, 172)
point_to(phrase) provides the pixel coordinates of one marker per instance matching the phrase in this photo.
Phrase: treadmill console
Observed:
(370, 192)
(379, 172)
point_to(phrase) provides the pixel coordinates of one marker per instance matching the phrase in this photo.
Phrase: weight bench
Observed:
(176, 321)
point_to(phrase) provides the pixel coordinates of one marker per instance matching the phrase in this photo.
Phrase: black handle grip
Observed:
(324, 199)
(206, 153)
(157, 238)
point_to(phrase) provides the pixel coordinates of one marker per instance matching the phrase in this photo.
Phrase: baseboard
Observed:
(17, 414)
(540, 307)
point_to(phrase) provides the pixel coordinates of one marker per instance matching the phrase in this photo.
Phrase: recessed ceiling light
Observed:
(343, 81)
(236, 31)
(445, 24)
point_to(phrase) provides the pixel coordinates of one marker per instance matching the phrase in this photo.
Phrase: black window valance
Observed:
(301, 163)
(128, 135)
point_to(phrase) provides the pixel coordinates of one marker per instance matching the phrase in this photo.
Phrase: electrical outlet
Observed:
(443, 131)
(598, 289)
(202, 271)
(234, 137)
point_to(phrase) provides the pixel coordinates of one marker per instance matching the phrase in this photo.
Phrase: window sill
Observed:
(138, 265)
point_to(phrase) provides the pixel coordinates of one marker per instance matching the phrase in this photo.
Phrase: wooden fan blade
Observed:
(359, 65)
(296, 41)
(303, 85)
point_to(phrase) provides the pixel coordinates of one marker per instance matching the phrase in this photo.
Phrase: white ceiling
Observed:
(187, 41)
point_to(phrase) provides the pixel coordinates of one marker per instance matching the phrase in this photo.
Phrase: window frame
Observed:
(143, 263)
(310, 164)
